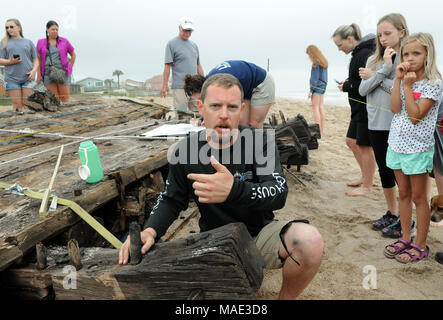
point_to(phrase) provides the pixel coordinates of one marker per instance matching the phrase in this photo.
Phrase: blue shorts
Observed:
(318, 90)
(14, 85)
(410, 163)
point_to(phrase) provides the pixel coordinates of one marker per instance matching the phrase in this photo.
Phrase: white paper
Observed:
(180, 129)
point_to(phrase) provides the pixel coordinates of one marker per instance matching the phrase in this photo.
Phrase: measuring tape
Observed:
(78, 210)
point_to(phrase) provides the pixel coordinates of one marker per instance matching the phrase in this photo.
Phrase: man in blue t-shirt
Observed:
(258, 87)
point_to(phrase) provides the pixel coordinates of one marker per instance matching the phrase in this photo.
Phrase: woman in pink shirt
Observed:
(54, 50)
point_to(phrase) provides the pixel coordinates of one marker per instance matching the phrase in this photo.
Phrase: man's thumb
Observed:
(217, 165)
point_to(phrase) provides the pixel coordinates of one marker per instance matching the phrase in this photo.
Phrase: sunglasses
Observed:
(9, 27)
(282, 238)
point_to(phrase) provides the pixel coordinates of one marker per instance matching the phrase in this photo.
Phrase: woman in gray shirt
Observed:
(377, 81)
(20, 59)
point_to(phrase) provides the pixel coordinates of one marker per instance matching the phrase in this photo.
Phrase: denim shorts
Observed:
(13, 85)
(318, 90)
(410, 163)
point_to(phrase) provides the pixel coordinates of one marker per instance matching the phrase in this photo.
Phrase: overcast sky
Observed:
(131, 35)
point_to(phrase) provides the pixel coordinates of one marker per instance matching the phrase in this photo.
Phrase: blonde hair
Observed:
(316, 56)
(426, 40)
(399, 23)
(6, 38)
(346, 31)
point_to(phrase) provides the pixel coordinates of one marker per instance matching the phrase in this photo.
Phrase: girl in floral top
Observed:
(415, 98)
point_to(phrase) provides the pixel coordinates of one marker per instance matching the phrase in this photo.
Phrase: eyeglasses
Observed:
(9, 27)
(282, 238)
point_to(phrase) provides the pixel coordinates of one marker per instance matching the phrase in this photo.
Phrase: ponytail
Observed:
(357, 31)
(348, 31)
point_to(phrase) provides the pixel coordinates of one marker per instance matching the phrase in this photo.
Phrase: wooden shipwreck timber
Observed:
(221, 264)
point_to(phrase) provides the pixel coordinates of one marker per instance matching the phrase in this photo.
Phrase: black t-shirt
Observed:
(259, 183)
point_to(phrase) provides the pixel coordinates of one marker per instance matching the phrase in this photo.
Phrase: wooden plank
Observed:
(43, 208)
(90, 200)
(9, 254)
(223, 263)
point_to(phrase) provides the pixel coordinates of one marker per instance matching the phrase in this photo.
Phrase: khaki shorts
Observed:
(268, 243)
(182, 102)
(264, 94)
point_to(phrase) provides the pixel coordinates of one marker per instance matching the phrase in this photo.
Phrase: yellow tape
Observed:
(79, 211)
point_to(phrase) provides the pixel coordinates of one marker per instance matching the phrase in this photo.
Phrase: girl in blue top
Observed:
(318, 83)
(415, 98)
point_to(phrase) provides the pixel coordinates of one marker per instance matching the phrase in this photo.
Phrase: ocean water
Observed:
(337, 98)
(295, 84)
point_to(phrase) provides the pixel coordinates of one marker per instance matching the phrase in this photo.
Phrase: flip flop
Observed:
(414, 257)
(398, 249)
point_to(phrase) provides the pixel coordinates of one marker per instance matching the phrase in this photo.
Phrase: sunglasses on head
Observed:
(282, 238)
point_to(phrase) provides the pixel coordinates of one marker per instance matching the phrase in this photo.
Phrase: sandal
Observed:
(398, 249)
(414, 257)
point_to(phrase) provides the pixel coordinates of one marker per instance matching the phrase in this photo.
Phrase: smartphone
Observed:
(16, 56)
(338, 82)
(393, 57)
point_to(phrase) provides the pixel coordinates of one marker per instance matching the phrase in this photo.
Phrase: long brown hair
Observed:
(316, 56)
(399, 23)
(6, 38)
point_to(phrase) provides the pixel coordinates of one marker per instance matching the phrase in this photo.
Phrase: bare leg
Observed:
(368, 165)
(352, 144)
(64, 92)
(418, 184)
(317, 110)
(322, 114)
(428, 188)
(315, 100)
(305, 244)
(26, 92)
(16, 99)
(54, 90)
(405, 204)
(257, 115)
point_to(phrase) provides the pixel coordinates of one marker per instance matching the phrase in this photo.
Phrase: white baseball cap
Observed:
(186, 23)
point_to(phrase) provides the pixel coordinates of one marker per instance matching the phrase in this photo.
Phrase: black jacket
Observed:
(254, 194)
(360, 55)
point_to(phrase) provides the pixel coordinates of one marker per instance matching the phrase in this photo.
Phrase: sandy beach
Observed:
(344, 222)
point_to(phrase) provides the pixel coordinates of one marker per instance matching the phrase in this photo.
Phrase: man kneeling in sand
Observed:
(245, 190)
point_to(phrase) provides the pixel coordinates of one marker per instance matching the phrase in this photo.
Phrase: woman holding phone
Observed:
(348, 38)
(20, 59)
(53, 51)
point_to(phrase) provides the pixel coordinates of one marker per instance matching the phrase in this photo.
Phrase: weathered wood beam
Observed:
(223, 263)
(56, 222)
